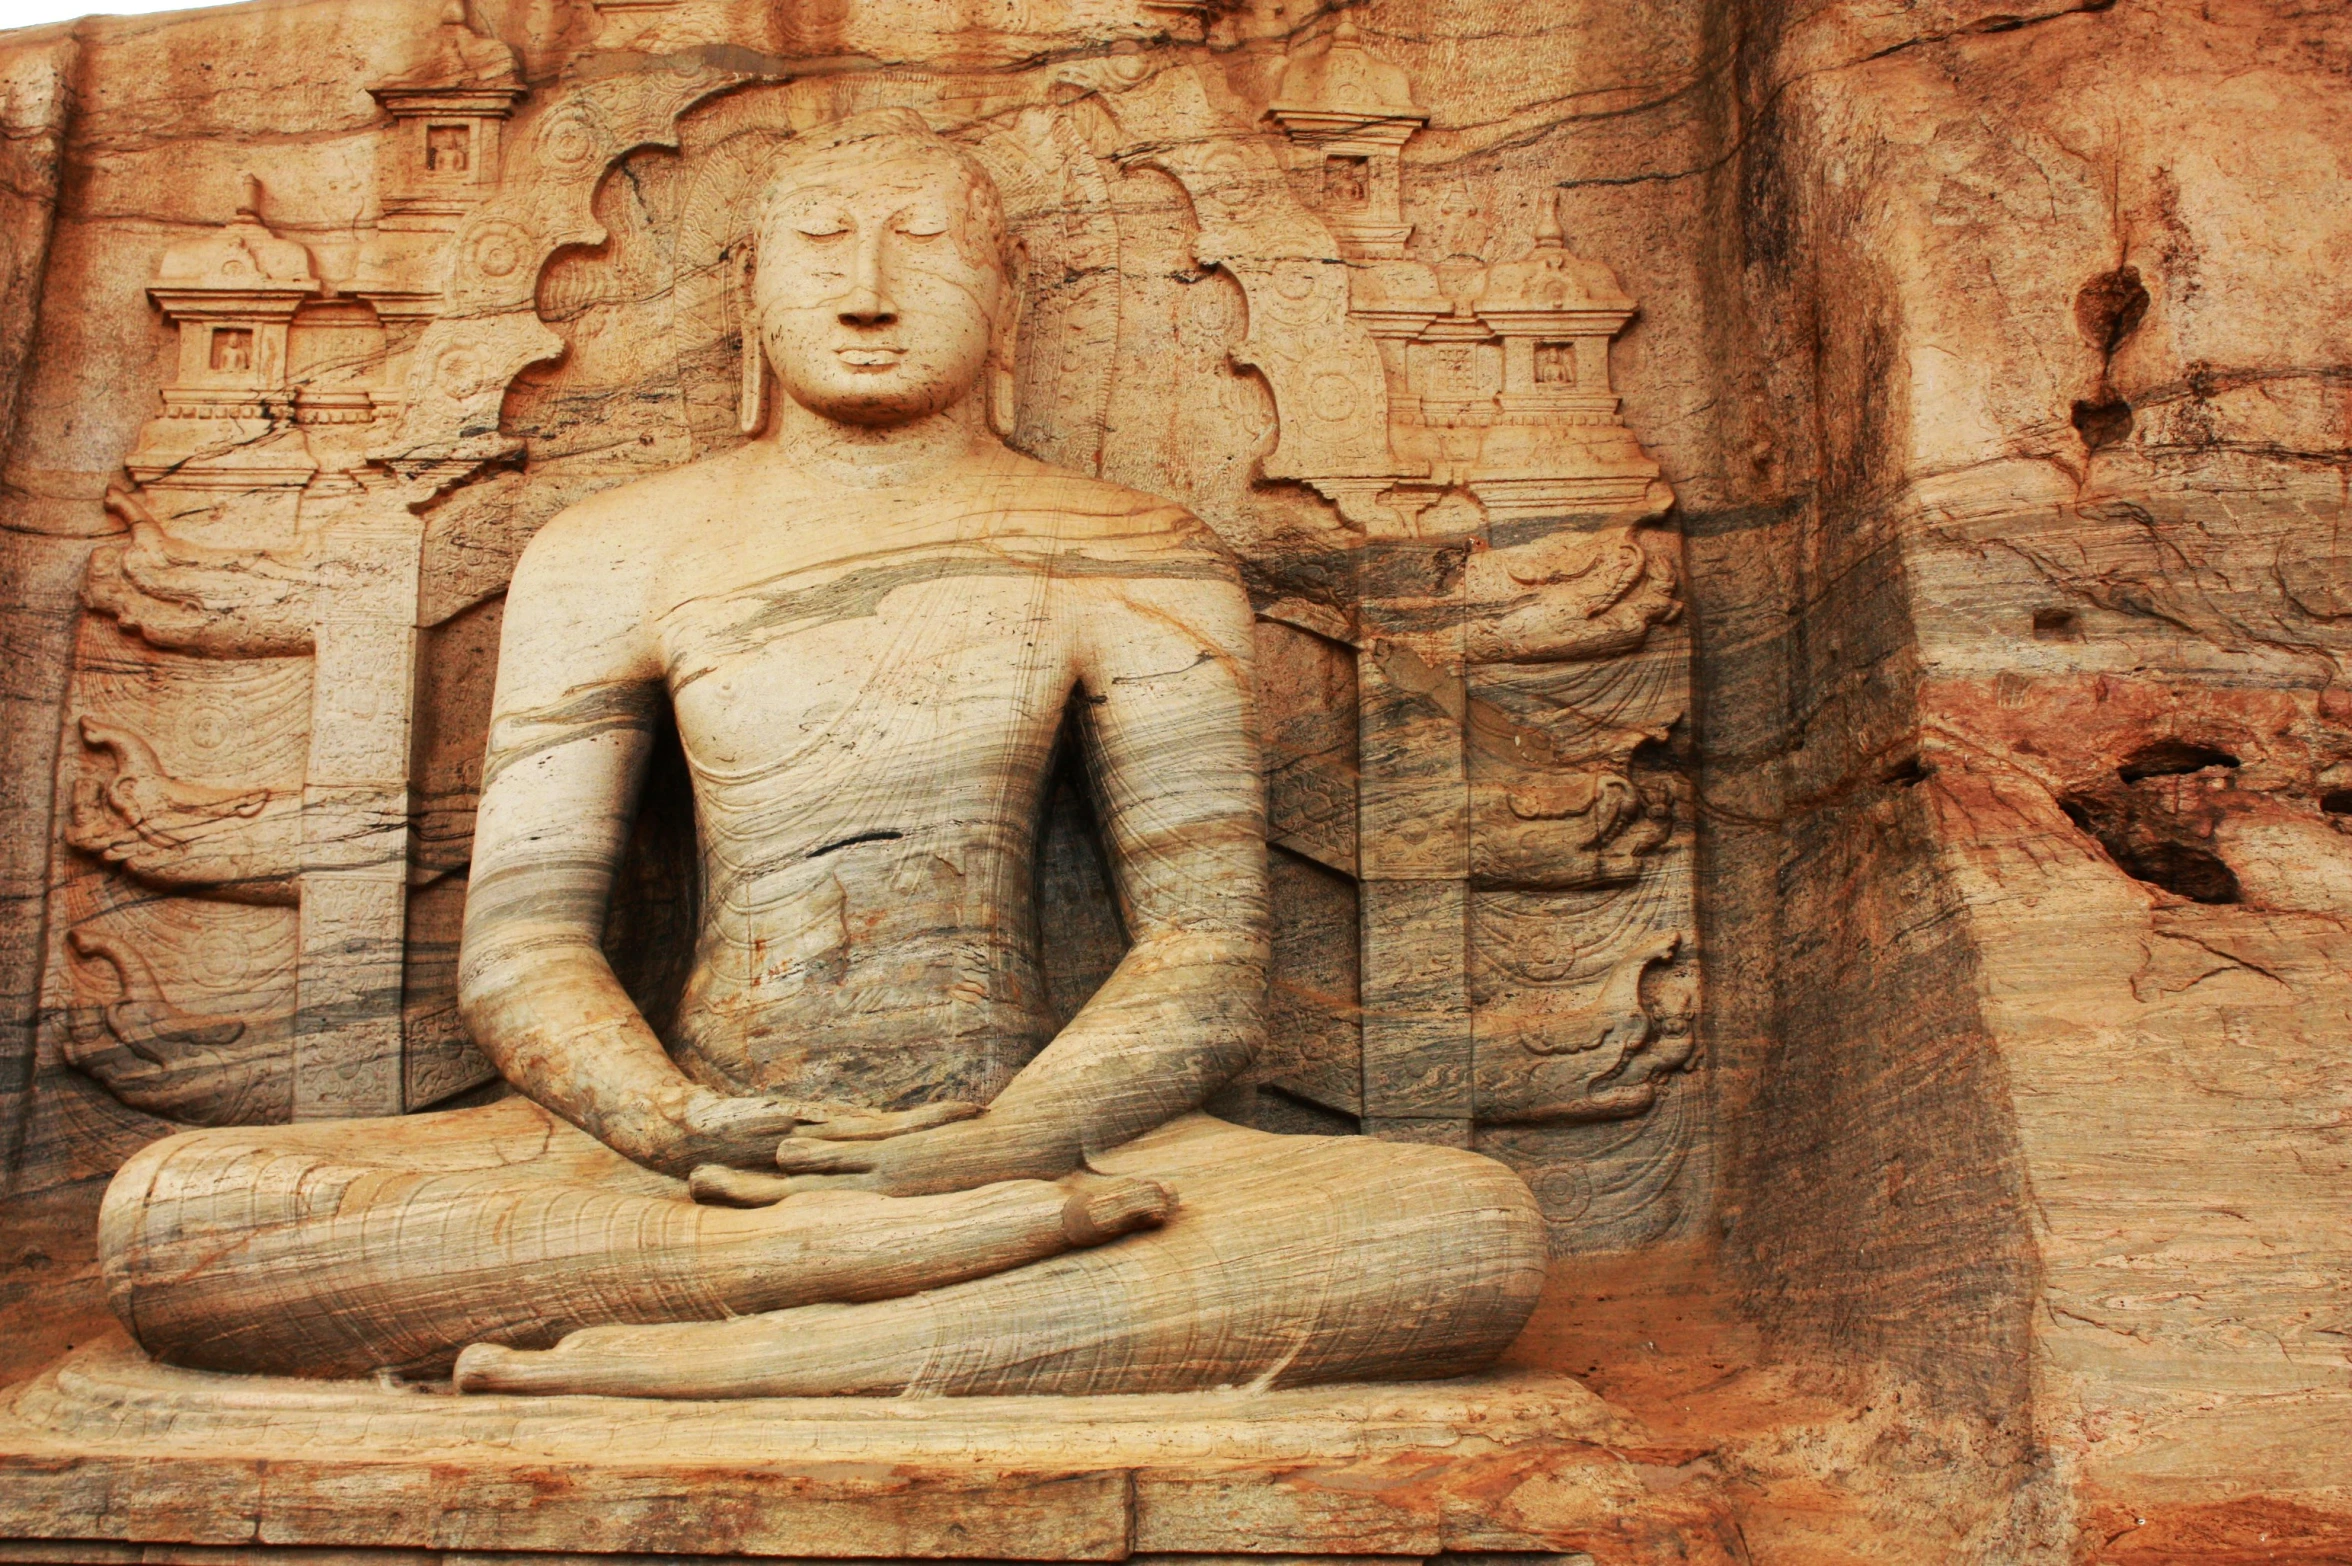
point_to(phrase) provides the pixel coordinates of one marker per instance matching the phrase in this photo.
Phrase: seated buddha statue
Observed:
(864, 1160)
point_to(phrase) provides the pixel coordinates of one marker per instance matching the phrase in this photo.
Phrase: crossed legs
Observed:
(327, 1250)
(340, 1249)
(1288, 1261)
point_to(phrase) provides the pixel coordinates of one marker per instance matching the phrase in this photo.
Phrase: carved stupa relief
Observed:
(1525, 833)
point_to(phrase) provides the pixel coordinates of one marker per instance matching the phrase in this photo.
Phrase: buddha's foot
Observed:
(810, 1351)
(846, 1247)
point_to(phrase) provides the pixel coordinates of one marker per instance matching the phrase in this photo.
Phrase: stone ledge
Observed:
(108, 1451)
(111, 1552)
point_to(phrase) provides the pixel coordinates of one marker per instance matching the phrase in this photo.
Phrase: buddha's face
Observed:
(877, 288)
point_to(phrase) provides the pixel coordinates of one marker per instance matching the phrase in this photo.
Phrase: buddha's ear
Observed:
(1004, 344)
(751, 410)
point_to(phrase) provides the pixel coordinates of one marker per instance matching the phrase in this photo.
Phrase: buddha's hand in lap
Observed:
(832, 1249)
(714, 1130)
(853, 1152)
(957, 1157)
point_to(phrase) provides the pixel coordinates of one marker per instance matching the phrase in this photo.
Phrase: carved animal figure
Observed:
(156, 1056)
(1594, 1064)
(234, 603)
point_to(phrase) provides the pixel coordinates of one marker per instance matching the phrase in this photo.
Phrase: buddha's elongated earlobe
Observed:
(1003, 414)
(751, 403)
(752, 406)
(1004, 342)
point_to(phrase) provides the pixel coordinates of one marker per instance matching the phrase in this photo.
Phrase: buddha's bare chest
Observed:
(933, 675)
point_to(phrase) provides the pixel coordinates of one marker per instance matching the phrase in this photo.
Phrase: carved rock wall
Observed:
(1995, 366)
(1396, 402)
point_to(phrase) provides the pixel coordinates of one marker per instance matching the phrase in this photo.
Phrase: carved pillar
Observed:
(1414, 846)
(347, 1033)
(443, 156)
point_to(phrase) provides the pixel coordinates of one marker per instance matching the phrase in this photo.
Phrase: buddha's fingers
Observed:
(1103, 1207)
(816, 1156)
(718, 1185)
(858, 1246)
(856, 1125)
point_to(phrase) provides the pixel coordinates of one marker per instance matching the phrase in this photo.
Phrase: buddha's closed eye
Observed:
(821, 220)
(921, 222)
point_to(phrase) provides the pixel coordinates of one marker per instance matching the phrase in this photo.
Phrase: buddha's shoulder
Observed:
(1096, 516)
(635, 520)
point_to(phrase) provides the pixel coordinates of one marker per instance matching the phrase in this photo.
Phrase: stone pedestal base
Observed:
(107, 1457)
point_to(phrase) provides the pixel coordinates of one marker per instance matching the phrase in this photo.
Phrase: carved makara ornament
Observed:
(272, 513)
(1521, 670)
(239, 843)
(1607, 1058)
(200, 1067)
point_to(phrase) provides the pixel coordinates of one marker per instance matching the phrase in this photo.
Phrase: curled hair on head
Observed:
(880, 133)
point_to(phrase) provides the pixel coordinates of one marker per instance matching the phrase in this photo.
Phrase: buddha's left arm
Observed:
(1172, 753)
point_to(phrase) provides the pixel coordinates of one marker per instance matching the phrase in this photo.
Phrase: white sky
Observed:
(28, 13)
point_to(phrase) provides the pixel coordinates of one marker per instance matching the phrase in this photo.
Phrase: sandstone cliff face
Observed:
(2061, 875)
(1998, 360)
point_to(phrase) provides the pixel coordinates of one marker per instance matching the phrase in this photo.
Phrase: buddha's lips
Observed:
(870, 358)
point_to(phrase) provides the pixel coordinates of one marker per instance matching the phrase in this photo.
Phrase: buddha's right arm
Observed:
(579, 694)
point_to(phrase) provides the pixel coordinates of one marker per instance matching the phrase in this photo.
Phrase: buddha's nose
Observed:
(868, 301)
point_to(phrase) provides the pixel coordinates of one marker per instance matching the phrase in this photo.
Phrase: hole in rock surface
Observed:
(2337, 801)
(1671, 754)
(2150, 843)
(2110, 307)
(2197, 874)
(2102, 424)
(2171, 758)
(2056, 625)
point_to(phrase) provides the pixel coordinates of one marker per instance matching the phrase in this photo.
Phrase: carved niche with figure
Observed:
(1469, 671)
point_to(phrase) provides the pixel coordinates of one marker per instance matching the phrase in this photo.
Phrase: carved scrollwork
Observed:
(241, 844)
(1589, 827)
(1572, 594)
(1606, 1056)
(1323, 367)
(1568, 787)
(230, 603)
(156, 1056)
